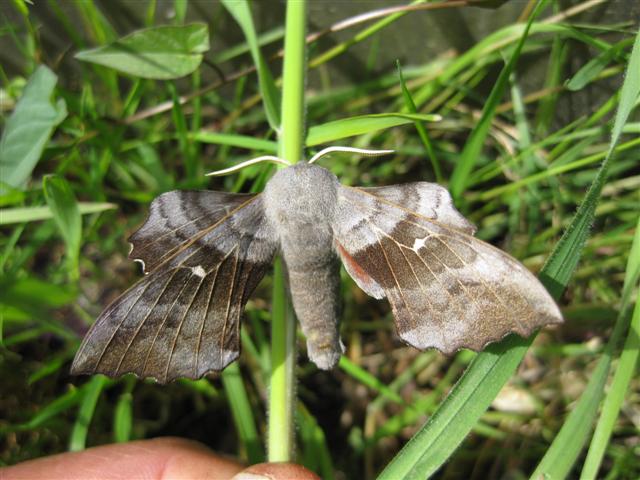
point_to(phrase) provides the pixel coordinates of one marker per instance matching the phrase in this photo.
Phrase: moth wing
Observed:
(177, 217)
(447, 289)
(205, 252)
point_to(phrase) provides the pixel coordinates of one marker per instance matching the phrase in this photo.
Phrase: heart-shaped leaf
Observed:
(159, 53)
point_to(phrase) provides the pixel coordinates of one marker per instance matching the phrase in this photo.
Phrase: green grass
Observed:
(83, 154)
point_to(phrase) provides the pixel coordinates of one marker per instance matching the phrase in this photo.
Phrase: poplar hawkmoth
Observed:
(204, 252)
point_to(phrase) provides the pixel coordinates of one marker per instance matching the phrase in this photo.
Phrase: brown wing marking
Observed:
(179, 248)
(437, 236)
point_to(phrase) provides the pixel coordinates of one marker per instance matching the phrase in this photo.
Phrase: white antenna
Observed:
(253, 161)
(361, 151)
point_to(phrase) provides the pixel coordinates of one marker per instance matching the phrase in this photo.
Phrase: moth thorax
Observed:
(301, 194)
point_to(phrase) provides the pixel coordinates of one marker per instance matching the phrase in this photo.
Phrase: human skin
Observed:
(156, 459)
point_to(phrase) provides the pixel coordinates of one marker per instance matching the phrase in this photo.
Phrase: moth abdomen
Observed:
(314, 288)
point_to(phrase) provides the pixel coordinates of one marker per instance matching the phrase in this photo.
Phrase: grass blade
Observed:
(437, 440)
(365, 378)
(566, 255)
(123, 415)
(478, 136)
(422, 132)
(425, 453)
(593, 67)
(241, 12)
(192, 164)
(235, 140)
(64, 208)
(352, 126)
(33, 214)
(561, 456)
(242, 413)
(567, 445)
(88, 403)
(622, 377)
(123, 419)
(29, 128)
(57, 406)
(316, 454)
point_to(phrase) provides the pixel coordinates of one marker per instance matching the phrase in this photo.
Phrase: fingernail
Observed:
(249, 476)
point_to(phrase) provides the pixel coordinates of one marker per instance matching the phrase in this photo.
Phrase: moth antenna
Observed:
(361, 151)
(253, 161)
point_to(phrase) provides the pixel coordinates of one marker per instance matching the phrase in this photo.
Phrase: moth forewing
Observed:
(204, 252)
(447, 289)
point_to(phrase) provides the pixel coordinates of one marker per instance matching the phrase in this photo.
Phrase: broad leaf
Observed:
(29, 128)
(159, 53)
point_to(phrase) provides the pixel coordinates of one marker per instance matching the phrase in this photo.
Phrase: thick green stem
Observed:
(292, 131)
(283, 325)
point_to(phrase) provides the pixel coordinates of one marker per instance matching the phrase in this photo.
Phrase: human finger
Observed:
(156, 459)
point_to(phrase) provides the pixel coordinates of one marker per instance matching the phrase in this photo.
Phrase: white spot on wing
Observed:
(198, 271)
(419, 243)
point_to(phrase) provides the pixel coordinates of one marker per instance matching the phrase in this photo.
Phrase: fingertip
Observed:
(276, 471)
(189, 459)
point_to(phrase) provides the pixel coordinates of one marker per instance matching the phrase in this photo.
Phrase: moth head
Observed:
(301, 194)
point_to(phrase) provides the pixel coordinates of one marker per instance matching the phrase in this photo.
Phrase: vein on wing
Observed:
(164, 319)
(432, 272)
(400, 246)
(169, 232)
(395, 279)
(204, 319)
(198, 248)
(233, 285)
(124, 317)
(175, 338)
(153, 240)
(487, 285)
(144, 320)
(467, 264)
(434, 316)
(140, 325)
(180, 248)
(449, 232)
(446, 228)
(406, 210)
(456, 278)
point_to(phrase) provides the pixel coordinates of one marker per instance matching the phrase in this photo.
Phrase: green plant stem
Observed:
(290, 144)
(292, 131)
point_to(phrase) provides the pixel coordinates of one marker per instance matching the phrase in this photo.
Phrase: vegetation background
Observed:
(529, 118)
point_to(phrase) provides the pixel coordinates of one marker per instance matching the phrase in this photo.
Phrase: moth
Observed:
(204, 252)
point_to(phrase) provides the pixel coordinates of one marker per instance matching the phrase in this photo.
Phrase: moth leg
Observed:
(315, 298)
